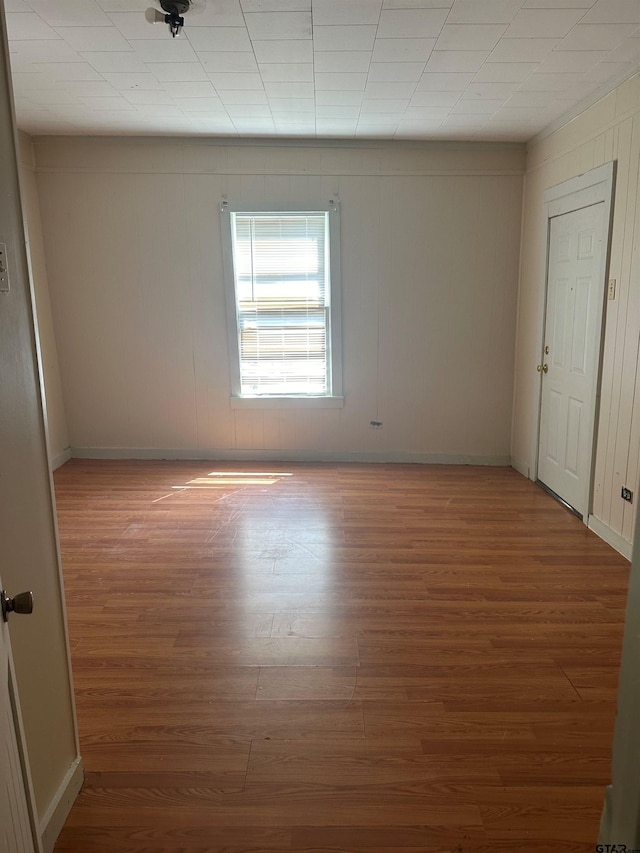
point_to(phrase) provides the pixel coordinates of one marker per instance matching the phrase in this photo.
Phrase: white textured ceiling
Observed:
(408, 69)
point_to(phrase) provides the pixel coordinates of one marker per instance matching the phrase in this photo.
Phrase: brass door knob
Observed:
(542, 368)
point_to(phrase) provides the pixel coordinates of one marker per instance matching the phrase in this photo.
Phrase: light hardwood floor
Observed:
(330, 658)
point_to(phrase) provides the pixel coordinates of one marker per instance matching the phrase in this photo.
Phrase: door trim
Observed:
(56, 815)
(593, 187)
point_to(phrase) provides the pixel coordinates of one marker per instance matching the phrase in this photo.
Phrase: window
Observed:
(282, 270)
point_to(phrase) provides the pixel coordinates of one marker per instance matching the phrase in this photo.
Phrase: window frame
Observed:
(333, 398)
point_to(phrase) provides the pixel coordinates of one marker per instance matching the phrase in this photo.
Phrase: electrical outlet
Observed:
(626, 494)
(375, 424)
(611, 292)
(4, 268)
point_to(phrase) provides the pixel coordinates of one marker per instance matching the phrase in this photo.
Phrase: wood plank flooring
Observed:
(335, 659)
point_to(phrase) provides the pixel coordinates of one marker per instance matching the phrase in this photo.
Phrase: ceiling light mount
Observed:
(174, 10)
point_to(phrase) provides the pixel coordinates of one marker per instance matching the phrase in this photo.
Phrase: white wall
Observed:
(609, 130)
(58, 437)
(430, 244)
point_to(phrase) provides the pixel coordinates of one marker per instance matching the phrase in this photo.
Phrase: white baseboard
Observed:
(610, 536)
(60, 459)
(520, 466)
(59, 808)
(254, 455)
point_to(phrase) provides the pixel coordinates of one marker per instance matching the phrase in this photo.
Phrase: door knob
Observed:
(21, 603)
(542, 367)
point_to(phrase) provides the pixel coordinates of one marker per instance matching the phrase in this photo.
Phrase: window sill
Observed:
(287, 402)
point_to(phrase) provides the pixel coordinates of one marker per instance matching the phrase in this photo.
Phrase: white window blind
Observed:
(282, 300)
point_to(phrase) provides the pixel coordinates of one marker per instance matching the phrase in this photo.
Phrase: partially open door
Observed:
(575, 294)
(38, 739)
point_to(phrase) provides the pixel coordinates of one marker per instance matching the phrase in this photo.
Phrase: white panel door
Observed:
(15, 829)
(573, 319)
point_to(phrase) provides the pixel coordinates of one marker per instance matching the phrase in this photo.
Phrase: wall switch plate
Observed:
(611, 292)
(626, 494)
(4, 268)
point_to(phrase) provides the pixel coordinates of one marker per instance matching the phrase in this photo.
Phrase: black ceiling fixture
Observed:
(174, 10)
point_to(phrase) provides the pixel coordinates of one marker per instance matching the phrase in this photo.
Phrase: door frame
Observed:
(592, 187)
